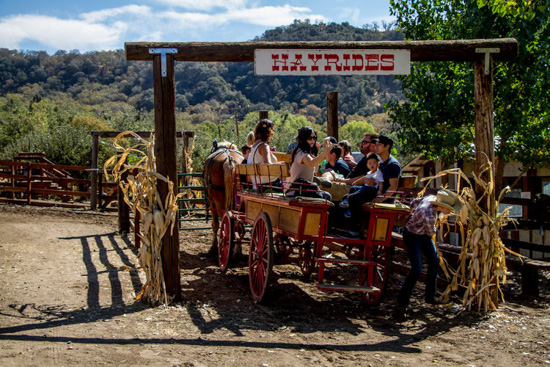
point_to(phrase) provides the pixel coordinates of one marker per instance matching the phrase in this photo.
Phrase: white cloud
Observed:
(102, 15)
(190, 19)
(268, 16)
(351, 15)
(57, 33)
(272, 16)
(108, 29)
(205, 4)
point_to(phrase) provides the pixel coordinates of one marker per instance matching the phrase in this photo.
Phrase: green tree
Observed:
(528, 9)
(438, 117)
(354, 131)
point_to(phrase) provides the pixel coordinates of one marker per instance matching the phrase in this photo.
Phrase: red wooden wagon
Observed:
(295, 229)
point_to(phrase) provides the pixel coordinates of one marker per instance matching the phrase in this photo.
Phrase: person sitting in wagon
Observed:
(261, 153)
(361, 192)
(346, 154)
(368, 145)
(335, 163)
(305, 160)
(391, 171)
(334, 167)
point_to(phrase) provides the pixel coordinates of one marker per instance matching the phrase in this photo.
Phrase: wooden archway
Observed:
(163, 54)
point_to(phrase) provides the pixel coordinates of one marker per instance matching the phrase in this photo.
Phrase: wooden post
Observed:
(165, 152)
(93, 183)
(264, 115)
(187, 141)
(29, 182)
(185, 153)
(100, 190)
(484, 125)
(123, 209)
(12, 179)
(484, 137)
(332, 114)
(237, 122)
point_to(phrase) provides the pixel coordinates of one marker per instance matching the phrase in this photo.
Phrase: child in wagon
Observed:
(360, 192)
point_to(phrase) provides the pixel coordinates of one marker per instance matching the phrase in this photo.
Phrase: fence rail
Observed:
(27, 182)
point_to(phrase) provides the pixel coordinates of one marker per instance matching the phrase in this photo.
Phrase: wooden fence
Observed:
(48, 184)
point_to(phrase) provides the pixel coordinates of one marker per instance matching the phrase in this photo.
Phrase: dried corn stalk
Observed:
(482, 264)
(141, 195)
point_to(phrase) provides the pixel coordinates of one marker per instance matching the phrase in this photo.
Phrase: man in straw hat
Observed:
(418, 238)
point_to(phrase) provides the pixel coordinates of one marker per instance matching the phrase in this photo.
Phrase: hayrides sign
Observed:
(332, 62)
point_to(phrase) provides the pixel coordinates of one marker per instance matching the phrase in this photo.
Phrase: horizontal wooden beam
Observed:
(141, 134)
(431, 50)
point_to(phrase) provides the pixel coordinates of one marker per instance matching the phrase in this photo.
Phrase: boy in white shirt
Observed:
(360, 192)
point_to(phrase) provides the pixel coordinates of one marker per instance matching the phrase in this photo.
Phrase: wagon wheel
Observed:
(226, 241)
(306, 262)
(260, 258)
(282, 247)
(383, 256)
(239, 231)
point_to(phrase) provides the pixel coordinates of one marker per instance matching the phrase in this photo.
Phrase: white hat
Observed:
(448, 199)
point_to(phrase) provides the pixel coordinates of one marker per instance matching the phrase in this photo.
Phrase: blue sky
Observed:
(94, 25)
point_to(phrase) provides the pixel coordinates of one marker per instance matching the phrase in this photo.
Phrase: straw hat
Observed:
(448, 199)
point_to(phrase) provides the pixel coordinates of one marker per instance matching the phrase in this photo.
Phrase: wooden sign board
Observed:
(332, 62)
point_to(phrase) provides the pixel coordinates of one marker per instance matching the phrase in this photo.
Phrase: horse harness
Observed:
(208, 182)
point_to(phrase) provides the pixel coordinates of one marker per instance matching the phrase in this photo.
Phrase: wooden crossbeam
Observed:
(429, 50)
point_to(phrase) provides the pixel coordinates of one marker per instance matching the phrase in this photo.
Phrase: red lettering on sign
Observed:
(276, 61)
(332, 59)
(387, 62)
(372, 62)
(315, 58)
(358, 63)
(346, 62)
(298, 63)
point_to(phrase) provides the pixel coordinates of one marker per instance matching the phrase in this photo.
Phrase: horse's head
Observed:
(223, 144)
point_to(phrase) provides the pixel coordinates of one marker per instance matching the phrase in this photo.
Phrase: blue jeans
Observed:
(416, 246)
(358, 195)
(326, 195)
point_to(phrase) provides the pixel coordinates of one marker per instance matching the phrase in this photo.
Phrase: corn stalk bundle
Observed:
(482, 263)
(141, 195)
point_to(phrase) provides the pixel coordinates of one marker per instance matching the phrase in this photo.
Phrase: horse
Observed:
(219, 175)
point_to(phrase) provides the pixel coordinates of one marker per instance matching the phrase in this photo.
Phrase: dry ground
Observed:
(67, 287)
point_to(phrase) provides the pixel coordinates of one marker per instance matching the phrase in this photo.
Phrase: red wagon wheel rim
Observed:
(376, 276)
(225, 241)
(260, 258)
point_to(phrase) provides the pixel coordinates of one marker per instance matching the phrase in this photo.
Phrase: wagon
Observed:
(292, 228)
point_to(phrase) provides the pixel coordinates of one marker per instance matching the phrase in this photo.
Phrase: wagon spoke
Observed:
(377, 276)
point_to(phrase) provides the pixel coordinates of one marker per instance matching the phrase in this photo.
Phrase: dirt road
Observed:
(68, 282)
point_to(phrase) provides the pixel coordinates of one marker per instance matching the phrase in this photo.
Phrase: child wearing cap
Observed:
(418, 238)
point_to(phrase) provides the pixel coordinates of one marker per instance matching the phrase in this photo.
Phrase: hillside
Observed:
(102, 77)
(50, 103)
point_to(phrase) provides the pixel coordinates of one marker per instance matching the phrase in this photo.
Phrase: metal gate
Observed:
(192, 208)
